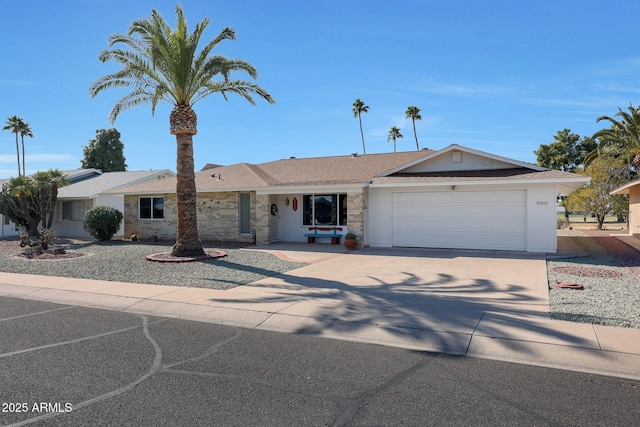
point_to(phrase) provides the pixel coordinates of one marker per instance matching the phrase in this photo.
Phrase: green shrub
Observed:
(102, 222)
(134, 238)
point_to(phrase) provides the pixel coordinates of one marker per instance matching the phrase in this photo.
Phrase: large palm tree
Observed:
(161, 64)
(360, 107)
(14, 124)
(622, 137)
(394, 134)
(413, 113)
(25, 130)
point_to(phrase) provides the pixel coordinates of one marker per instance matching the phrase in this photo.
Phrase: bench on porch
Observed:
(324, 232)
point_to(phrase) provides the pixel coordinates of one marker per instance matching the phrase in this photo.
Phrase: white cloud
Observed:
(48, 158)
(462, 89)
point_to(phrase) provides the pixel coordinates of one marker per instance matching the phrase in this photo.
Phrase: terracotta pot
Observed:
(350, 244)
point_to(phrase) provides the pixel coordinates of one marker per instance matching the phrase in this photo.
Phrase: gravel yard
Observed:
(611, 279)
(125, 261)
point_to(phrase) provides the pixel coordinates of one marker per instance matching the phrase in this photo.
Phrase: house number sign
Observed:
(542, 202)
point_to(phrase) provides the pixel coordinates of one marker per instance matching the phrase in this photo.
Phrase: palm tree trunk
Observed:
(23, 162)
(187, 242)
(414, 134)
(364, 149)
(18, 153)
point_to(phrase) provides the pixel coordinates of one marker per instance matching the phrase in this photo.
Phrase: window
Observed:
(71, 211)
(324, 209)
(245, 213)
(151, 207)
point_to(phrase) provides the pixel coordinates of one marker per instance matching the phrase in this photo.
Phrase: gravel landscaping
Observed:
(125, 261)
(611, 279)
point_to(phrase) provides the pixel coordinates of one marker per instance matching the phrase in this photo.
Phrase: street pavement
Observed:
(66, 364)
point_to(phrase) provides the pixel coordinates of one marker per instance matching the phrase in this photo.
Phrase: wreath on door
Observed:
(274, 209)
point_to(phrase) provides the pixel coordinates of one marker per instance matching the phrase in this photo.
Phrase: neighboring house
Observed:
(456, 197)
(75, 199)
(633, 190)
(9, 229)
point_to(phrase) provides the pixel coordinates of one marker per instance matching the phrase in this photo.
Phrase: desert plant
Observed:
(349, 236)
(563, 223)
(102, 222)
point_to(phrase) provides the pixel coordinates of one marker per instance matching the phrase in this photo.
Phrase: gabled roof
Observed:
(509, 163)
(106, 181)
(405, 168)
(288, 172)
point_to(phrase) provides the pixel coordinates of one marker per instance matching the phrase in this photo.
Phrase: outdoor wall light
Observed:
(453, 187)
(286, 201)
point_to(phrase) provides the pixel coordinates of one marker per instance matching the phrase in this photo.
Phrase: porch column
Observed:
(262, 219)
(355, 215)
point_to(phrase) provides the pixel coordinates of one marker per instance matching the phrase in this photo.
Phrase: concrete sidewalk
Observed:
(482, 304)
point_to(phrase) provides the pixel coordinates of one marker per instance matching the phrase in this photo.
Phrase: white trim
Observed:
(482, 182)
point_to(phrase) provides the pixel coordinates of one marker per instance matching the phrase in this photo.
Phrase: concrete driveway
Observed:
(434, 298)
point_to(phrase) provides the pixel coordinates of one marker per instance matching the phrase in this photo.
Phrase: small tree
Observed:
(607, 173)
(106, 152)
(102, 222)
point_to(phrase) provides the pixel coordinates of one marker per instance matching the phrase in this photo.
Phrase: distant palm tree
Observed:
(413, 113)
(394, 134)
(25, 130)
(359, 107)
(161, 64)
(14, 124)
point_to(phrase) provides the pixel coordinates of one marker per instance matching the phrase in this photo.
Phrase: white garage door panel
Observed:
(456, 219)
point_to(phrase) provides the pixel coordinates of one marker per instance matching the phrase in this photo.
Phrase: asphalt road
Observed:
(75, 366)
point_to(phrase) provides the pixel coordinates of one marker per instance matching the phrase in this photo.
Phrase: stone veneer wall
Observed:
(262, 224)
(165, 228)
(355, 215)
(218, 218)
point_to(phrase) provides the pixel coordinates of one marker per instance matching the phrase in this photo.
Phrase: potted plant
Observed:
(350, 241)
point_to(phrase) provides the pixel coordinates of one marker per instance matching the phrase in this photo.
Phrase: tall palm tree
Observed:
(394, 133)
(360, 107)
(25, 130)
(623, 136)
(413, 113)
(161, 64)
(14, 124)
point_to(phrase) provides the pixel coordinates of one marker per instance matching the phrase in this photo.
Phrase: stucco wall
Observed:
(634, 209)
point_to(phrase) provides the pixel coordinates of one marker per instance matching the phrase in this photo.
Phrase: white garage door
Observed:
(460, 219)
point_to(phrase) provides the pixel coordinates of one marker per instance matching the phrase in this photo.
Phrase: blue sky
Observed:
(498, 76)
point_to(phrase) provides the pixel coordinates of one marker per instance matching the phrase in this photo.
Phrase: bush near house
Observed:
(102, 222)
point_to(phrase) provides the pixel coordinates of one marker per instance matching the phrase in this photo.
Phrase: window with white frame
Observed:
(151, 208)
(324, 209)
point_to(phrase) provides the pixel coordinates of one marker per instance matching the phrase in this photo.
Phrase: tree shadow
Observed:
(446, 311)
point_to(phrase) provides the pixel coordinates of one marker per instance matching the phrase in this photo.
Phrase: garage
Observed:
(460, 219)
